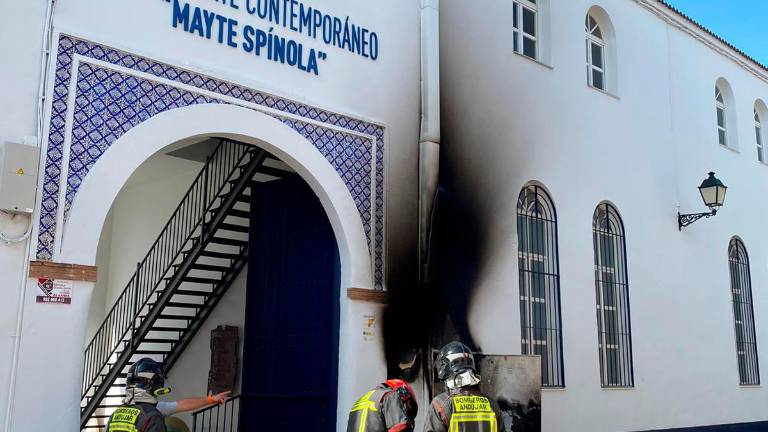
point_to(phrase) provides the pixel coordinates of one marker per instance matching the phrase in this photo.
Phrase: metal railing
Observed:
(118, 330)
(218, 418)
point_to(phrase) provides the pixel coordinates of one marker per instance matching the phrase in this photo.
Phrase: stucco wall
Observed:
(19, 80)
(136, 218)
(508, 120)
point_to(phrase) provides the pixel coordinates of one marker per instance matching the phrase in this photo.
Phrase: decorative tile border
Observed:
(114, 91)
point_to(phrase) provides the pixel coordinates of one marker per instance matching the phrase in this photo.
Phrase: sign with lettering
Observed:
(54, 291)
(265, 40)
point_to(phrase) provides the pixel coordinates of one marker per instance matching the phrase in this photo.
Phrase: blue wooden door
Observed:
(290, 347)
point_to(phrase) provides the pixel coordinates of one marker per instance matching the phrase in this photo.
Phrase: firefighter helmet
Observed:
(146, 374)
(454, 358)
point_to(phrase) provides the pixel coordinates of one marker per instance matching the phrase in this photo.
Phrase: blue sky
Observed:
(743, 23)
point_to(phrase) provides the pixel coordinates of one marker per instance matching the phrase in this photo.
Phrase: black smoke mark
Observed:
(421, 317)
(456, 248)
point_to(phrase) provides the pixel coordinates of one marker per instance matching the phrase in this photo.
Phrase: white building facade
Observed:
(573, 133)
(575, 163)
(329, 90)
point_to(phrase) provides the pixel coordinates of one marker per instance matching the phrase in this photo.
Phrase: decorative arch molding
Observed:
(100, 94)
(113, 169)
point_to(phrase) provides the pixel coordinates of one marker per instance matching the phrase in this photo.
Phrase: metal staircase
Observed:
(193, 262)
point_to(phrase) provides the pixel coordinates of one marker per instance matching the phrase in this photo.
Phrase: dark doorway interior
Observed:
(290, 348)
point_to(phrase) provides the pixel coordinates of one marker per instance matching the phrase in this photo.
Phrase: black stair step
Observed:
(193, 293)
(228, 241)
(168, 329)
(119, 385)
(184, 305)
(201, 280)
(170, 341)
(120, 375)
(240, 197)
(209, 267)
(224, 255)
(233, 227)
(140, 351)
(239, 213)
(176, 317)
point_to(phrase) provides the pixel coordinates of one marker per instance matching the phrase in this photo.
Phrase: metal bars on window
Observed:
(540, 320)
(743, 314)
(614, 332)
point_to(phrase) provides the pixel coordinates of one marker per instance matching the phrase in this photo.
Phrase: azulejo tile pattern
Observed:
(107, 103)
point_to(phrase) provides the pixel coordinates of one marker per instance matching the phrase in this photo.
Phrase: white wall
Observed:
(21, 50)
(189, 376)
(508, 120)
(138, 214)
(384, 91)
(99, 308)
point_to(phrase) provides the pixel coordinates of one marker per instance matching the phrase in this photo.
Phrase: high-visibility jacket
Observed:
(379, 410)
(463, 410)
(140, 417)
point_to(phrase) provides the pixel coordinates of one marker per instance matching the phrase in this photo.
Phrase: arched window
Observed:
(725, 103)
(722, 127)
(614, 334)
(743, 315)
(602, 63)
(759, 135)
(539, 267)
(595, 53)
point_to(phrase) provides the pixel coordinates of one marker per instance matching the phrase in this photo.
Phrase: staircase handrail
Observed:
(229, 407)
(219, 168)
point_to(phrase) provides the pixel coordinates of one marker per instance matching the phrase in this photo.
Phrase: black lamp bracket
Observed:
(683, 220)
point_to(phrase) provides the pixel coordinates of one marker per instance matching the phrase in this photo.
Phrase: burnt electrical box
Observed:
(18, 177)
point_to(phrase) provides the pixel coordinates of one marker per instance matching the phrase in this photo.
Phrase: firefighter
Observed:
(462, 408)
(390, 407)
(139, 413)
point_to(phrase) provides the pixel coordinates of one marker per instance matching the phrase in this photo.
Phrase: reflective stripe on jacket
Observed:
(140, 417)
(379, 410)
(463, 410)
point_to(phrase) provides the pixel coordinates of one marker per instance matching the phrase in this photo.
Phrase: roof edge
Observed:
(744, 56)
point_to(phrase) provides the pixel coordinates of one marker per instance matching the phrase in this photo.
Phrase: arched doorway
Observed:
(332, 198)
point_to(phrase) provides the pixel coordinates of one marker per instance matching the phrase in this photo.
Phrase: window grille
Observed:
(614, 332)
(595, 54)
(525, 27)
(540, 320)
(743, 314)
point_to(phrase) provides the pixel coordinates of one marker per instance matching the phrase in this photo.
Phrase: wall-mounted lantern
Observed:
(713, 193)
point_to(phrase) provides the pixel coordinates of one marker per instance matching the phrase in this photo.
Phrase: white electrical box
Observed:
(18, 177)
